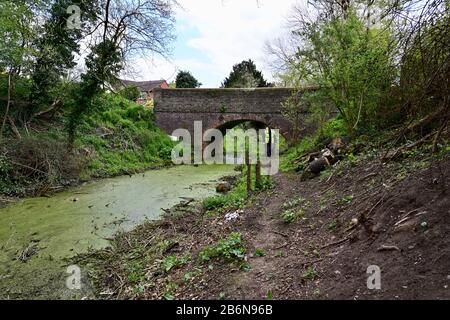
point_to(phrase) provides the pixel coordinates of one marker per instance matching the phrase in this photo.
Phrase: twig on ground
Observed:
(389, 248)
(280, 233)
(347, 238)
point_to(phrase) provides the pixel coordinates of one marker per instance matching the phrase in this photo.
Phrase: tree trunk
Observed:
(7, 105)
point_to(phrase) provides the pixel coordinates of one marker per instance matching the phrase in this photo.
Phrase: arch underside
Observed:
(169, 122)
(257, 121)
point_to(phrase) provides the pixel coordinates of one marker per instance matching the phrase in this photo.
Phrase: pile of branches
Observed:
(41, 166)
(424, 58)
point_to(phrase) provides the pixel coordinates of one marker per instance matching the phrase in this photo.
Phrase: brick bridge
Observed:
(221, 108)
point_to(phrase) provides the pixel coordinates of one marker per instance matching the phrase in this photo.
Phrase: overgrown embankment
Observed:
(299, 239)
(121, 138)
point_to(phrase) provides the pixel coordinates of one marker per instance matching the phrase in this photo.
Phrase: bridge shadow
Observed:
(245, 124)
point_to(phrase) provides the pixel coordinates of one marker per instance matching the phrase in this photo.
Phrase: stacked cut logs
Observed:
(319, 161)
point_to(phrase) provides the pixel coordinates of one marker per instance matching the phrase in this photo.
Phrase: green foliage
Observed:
(172, 261)
(346, 200)
(289, 161)
(237, 197)
(56, 48)
(15, 33)
(294, 203)
(231, 249)
(128, 140)
(245, 75)
(19, 95)
(121, 138)
(186, 80)
(352, 65)
(291, 215)
(131, 93)
(136, 273)
(259, 253)
(103, 65)
(310, 274)
(333, 225)
(330, 129)
(294, 209)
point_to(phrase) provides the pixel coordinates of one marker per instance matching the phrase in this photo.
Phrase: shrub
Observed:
(36, 162)
(230, 249)
(310, 274)
(130, 93)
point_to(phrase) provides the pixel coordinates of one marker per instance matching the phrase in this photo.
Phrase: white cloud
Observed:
(229, 31)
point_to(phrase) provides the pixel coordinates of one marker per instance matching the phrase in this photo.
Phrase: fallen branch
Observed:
(373, 174)
(14, 128)
(347, 238)
(28, 167)
(280, 233)
(56, 104)
(388, 157)
(436, 139)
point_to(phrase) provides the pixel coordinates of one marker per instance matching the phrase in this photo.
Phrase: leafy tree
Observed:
(16, 34)
(15, 37)
(186, 80)
(352, 64)
(245, 75)
(125, 28)
(57, 47)
(103, 65)
(131, 93)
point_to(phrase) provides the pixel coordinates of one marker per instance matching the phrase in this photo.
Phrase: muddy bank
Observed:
(38, 234)
(300, 240)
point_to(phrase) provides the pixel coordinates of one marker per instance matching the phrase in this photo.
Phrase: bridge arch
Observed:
(224, 124)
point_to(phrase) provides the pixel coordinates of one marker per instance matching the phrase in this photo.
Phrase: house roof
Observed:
(143, 86)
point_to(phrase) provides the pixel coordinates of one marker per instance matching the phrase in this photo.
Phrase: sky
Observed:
(214, 35)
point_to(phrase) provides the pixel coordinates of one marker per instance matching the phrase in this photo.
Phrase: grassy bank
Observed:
(121, 138)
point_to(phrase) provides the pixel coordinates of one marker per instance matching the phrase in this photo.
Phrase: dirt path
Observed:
(262, 222)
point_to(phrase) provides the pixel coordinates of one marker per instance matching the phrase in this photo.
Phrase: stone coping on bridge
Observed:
(292, 89)
(224, 100)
